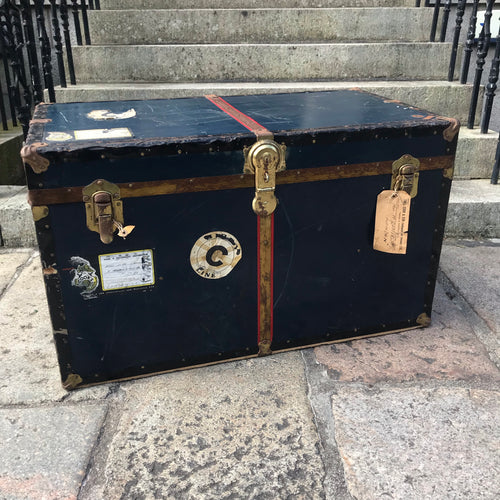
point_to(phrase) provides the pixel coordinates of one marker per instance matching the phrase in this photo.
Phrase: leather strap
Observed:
(265, 239)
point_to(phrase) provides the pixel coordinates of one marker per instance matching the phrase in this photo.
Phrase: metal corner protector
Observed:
(39, 212)
(448, 172)
(423, 319)
(72, 381)
(30, 156)
(452, 130)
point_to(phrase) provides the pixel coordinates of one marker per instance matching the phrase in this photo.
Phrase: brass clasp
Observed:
(405, 173)
(264, 159)
(104, 209)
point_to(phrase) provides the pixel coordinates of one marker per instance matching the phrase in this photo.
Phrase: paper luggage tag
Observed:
(391, 222)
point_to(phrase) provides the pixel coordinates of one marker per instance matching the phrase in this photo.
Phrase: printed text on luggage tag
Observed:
(391, 222)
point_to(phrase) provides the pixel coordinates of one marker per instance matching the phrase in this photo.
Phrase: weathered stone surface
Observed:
(473, 210)
(475, 154)
(448, 350)
(231, 25)
(16, 219)
(9, 264)
(474, 269)
(12, 171)
(29, 371)
(261, 62)
(45, 451)
(418, 443)
(246, 4)
(238, 430)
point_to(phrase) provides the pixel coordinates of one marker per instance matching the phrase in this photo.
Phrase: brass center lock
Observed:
(264, 159)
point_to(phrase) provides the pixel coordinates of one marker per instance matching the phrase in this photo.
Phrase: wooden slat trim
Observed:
(37, 197)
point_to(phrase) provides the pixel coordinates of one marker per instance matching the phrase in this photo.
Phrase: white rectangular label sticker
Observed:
(127, 270)
(102, 133)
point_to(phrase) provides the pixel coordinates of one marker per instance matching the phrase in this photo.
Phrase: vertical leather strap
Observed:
(265, 266)
(265, 239)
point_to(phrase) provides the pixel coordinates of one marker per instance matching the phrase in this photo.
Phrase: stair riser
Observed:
(16, 219)
(184, 63)
(247, 4)
(475, 154)
(443, 99)
(259, 26)
(473, 210)
(473, 220)
(11, 166)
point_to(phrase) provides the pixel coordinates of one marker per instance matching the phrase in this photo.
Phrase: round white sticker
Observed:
(215, 254)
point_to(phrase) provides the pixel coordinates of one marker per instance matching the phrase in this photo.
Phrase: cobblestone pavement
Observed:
(413, 415)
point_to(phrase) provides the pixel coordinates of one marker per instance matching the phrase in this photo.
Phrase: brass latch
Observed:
(264, 159)
(405, 173)
(104, 210)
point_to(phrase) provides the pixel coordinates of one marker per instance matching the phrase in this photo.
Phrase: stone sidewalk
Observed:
(405, 416)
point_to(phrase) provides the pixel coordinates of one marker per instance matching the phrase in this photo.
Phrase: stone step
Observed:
(17, 228)
(472, 213)
(475, 154)
(11, 167)
(194, 26)
(261, 62)
(248, 4)
(473, 210)
(440, 97)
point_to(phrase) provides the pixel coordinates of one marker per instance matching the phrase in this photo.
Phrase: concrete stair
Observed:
(248, 4)
(11, 167)
(259, 25)
(258, 62)
(146, 49)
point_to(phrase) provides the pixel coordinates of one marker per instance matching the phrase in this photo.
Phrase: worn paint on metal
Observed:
(31, 157)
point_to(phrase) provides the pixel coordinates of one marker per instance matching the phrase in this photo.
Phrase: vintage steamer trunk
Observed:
(248, 223)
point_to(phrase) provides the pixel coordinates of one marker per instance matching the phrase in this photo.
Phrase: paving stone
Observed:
(474, 270)
(9, 263)
(448, 350)
(29, 372)
(45, 451)
(418, 443)
(237, 430)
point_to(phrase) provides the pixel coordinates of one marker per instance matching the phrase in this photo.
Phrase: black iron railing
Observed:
(481, 38)
(36, 37)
